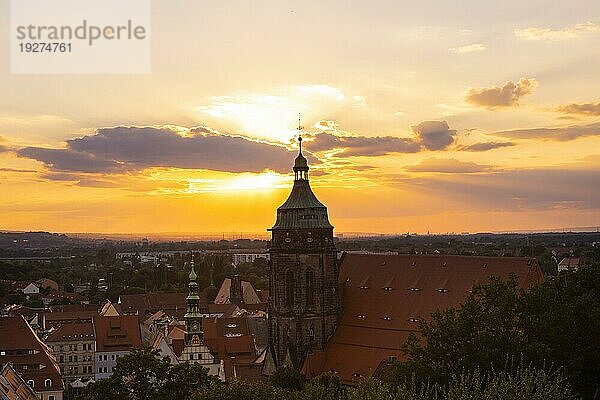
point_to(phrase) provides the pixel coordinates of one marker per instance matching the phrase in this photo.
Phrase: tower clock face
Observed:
(195, 326)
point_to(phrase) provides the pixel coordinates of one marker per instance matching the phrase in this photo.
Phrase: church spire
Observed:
(193, 317)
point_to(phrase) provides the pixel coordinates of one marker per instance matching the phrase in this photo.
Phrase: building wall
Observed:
(76, 359)
(106, 362)
(304, 324)
(248, 257)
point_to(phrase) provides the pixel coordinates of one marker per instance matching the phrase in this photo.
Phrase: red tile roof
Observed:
(22, 347)
(384, 296)
(55, 319)
(74, 331)
(120, 333)
(173, 304)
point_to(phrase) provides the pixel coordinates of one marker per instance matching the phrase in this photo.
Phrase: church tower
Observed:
(303, 304)
(194, 335)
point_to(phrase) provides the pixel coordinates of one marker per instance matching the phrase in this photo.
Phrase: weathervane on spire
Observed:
(300, 129)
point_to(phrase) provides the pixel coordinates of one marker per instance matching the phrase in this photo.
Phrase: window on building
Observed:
(51, 397)
(289, 288)
(309, 287)
(31, 383)
(48, 382)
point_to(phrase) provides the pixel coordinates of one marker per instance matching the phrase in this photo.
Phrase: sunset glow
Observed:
(426, 120)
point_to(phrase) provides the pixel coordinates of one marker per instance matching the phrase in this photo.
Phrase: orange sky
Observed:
(417, 118)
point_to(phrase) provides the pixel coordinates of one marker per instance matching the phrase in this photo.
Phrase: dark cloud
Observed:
(429, 135)
(362, 145)
(17, 170)
(123, 149)
(513, 190)
(447, 166)
(71, 160)
(560, 134)
(580, 109)
(508, 95)
(485, 146)
(434, 135)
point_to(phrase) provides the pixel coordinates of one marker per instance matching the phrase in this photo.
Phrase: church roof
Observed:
(385, 296)
(301, 196)
(302, 209)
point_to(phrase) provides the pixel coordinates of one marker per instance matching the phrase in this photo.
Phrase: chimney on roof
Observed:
(235, 293)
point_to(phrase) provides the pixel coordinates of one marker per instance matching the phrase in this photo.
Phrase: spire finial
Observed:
(300, 129)
(192, 275)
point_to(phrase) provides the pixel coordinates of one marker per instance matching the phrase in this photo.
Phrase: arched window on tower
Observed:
(309, 288)
(289, 288)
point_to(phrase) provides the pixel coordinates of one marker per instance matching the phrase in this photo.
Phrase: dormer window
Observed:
(48, 382)
(31, 383)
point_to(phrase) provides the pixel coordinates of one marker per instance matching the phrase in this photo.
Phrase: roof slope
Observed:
(248, 293)
(120, 333)
(73, 332)
(384, 296)
(22, 347)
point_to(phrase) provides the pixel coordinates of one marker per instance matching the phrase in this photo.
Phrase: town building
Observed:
(30, 358)
(115, 337)
(351, 315)
(195, 350)
(249, 257)
(74, 346)
(13, 387)
(172, 304)
(385, 296)
(569, 264)
(236, 291)
(304, 304)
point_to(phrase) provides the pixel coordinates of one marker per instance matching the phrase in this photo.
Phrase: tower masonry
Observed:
(304, 306)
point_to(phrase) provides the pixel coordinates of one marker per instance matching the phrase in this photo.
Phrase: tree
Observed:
(561, 323)
(142, 375)
(287, 378)
(482, 334)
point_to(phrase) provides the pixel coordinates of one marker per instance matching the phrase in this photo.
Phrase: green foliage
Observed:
(555, 323)
(142, 375)
(242, 390)
(287, 378)
(480, 334)
(326, 387)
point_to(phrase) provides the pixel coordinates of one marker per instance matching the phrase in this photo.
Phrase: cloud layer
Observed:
(429, 135)
(538, 34)
(447, 166)
(123, 149)
(507, 95)
(580, 109)
(486, 146)
(560, 134)
(434, 135)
